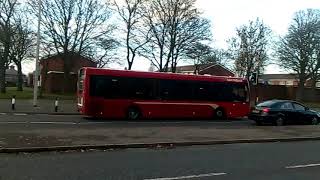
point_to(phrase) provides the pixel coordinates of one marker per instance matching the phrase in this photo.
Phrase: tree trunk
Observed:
(66, 78)
(67, 66)
(300, 91)
(196, 70)
(313, 94)
(314, 83)
(44, 77)
(2, 77)
(130, 65)
(20, 77)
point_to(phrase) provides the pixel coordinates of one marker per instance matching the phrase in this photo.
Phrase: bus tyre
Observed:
(219, 114)
(258, 123)
(133, 113)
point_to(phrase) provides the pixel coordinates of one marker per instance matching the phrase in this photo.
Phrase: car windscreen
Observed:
(267, 104)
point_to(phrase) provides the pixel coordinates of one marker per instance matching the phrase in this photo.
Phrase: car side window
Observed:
(299, 107)
(286, 106)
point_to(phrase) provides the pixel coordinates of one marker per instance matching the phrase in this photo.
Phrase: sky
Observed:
(227, 15)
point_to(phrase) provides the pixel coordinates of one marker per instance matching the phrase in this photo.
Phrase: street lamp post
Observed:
(36, 72)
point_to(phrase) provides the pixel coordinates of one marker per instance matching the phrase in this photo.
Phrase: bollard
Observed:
(56, 104)
(13, 102)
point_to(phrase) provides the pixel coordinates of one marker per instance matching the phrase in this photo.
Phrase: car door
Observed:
(287, 109)
(300, 112)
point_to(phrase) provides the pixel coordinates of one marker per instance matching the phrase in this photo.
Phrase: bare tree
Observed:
(173, 25)
(7, 13)
(198, 53)
(21, 47)
(105, 52)
(131, 14)
(71, 26)
(299, 50)
(219, 56)
(48, 51)
(249, 48)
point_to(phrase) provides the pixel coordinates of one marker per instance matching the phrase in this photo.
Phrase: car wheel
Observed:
(133, 113)
(314, 121)
(279, 121)
(219, 114)
(258, 123)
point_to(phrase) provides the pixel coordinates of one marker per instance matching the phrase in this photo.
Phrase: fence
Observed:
(265, 92)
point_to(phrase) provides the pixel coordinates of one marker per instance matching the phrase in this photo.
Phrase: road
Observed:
(21, 130)
(276, 161)
(21, 118)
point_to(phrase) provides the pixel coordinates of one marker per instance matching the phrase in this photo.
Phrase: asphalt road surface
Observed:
(270, 161)
(57, 120)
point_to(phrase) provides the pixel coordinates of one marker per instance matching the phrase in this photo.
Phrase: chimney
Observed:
(11, 67)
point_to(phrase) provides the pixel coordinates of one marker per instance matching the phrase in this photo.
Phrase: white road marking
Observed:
(302, 166)
(3, 113)
(34, 122)
(189, 177)
(43, 122)
(13, 122)
(20, 114)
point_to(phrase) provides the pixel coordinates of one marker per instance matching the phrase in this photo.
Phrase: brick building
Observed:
(284, 80)
(212, 69)
(12, 76)
(52, 74)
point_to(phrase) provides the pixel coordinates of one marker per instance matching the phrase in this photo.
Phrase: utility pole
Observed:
(36, 72)
(254, 79)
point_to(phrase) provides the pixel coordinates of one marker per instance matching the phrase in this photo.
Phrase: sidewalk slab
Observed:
(151, 145)
(28, 136)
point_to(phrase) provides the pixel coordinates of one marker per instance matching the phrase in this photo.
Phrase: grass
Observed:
(27, 93)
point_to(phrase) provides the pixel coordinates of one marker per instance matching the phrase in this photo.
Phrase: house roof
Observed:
(202, 67)
(11, 72)
(278, 76)
(191, 67)
(50, 57)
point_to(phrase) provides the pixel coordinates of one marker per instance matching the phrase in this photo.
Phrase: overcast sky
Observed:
(226, 15)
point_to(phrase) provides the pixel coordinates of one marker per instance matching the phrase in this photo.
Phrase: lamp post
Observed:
(36, 72)
(1, 50)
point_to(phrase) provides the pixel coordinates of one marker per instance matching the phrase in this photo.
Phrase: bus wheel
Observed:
(219, 114)
(133, 113)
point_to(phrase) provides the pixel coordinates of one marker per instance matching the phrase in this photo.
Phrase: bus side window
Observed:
(97, 86)
(235, 93)
(114, 89)
(202, 91)
(166, 89)
(217, 91)
(141, 88)
(183, 90)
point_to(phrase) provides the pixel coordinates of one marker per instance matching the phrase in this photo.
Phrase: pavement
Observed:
(44, 106)
(23, 131)
(268, 161)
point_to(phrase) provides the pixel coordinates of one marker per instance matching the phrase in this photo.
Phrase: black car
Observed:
(282, 112)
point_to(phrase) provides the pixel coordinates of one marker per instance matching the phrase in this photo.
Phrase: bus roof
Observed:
(161, 75)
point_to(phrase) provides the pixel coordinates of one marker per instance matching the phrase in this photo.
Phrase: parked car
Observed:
(282, 112)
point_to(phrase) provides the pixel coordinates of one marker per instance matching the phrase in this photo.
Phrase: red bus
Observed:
(110, 93)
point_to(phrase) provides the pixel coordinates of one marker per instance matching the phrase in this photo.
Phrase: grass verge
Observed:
(27, 93)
